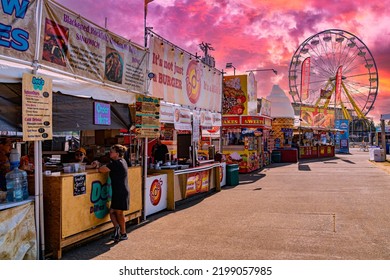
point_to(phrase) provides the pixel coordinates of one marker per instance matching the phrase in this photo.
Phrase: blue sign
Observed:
(102, 113)
(342, 136)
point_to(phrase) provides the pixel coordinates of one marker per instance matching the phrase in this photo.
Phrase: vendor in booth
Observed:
(159, 151)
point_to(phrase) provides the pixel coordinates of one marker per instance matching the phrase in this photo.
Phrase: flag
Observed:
(146, 6)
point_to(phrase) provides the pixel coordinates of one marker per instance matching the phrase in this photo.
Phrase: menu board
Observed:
(147, 116)
(79, 184)
(37, 100)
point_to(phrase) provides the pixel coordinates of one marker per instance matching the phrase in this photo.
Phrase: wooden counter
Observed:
(187, 182)
(76, 212)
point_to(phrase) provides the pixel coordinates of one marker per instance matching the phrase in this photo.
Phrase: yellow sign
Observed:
(37, 100)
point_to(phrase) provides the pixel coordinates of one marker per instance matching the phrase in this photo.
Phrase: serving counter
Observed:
(184, 183)
(319, 151)
(76, 206)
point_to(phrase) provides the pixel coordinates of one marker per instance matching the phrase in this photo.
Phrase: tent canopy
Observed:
(72, 101)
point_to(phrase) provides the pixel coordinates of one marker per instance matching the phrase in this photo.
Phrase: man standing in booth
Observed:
(159, 151)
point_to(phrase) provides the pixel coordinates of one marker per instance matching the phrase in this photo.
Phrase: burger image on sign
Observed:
(155, 192)
(193, 82)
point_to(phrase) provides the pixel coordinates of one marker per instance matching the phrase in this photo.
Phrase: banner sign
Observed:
(156, 193)
(264, 107)
(252, 95)
(217, 119)
(182, 119)
(196, 117)
(197, 182)
(342, 136)
(37, 101)
(182, 79)
(167, 113)
(75, 45)
(235, 95)
(305, 79)
(206, 118)
(18, 29)
(147, 116)
(316, 116)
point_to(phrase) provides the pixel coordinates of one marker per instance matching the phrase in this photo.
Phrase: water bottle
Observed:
(10, 188)
(17, 184)
(14, 159)
(17, 188)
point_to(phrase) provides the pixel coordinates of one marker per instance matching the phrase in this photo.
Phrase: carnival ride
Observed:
(334, 69)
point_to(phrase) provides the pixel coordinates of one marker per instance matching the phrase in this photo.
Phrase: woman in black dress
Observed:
(120, 200)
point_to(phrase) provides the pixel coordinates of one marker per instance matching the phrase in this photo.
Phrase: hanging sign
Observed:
(102, 113)
(147, 116)
(167, 113)
(37, 100)
(182, 119)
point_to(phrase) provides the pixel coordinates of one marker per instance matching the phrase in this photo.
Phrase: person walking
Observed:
(120, 200)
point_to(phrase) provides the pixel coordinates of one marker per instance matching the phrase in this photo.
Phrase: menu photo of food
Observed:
(55, 43)
(114, 66)
(234, 101)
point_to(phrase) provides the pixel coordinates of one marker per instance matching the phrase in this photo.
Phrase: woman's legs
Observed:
(121, 221)
(118, 218)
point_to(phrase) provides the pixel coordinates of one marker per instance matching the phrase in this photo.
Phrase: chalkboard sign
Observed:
(79, 184)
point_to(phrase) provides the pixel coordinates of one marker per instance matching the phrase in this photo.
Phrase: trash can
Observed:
(379, 155)
(276, 156)
(371, 151)
(232, 175)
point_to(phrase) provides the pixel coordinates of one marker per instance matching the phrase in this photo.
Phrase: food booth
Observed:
(315, 132)
(245, 134)
(189, 92)
(93, 82)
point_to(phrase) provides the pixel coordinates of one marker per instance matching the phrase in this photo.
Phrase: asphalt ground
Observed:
(330, 209)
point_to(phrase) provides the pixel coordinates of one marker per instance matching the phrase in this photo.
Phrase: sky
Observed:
(251, 34)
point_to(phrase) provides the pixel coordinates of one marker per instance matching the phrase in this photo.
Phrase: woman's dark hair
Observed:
(120, 149)
(4, 141)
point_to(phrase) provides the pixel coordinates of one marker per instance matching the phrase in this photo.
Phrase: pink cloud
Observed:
(250, 34)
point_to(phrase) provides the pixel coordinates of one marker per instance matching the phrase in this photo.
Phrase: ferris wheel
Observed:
(334, 69)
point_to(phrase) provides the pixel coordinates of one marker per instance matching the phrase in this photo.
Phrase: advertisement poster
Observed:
(342, 136)
(37, 101)
(222, 174)
(18, 29)
(182, 119)
(155, 195)
(75, 45)
(197, 182)
(235, 95)
(182, 79)
(147, 116)
(315, 116)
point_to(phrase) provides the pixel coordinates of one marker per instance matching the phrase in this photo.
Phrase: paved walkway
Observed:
(332, 209)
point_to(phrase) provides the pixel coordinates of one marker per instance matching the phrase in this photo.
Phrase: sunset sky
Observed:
(251, 34)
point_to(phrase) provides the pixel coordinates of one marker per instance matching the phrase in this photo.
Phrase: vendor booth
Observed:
(245, 134)
(92, 82)
(190, 99)
(282, 114)
(315, 132)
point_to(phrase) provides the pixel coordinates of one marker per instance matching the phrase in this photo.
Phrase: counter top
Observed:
(8, 205)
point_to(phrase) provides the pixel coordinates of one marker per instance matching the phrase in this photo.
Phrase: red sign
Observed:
(226, 121)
